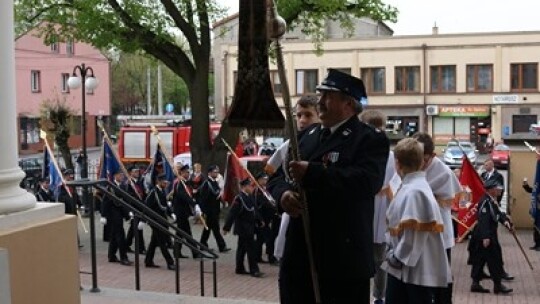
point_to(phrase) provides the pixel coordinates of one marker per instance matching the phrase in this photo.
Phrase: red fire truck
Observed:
(137, 144)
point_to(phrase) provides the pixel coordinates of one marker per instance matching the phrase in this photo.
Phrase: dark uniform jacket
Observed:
(489, 215)
(265, 208)
(244, 215)
(43, 195)
(182, 201)
(157, 201)
(112, 210)
(70, 201)
(209, 196)
(344, 174)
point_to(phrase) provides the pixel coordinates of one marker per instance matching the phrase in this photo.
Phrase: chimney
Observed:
(435, 29)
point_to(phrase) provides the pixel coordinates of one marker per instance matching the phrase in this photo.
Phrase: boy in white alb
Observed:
(416, 260)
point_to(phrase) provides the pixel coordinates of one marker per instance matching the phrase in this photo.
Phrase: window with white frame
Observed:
(55, 46)
(35, 81)
(306, 81)
(64, 84)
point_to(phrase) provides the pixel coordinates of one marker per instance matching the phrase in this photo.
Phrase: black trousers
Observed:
(264, 238)
(117, 238)
(158, 239)
(131, 235)
(493, 257)
(213, 225)
(246, 245)
(536, 236)
(183, 224)
(398, 292)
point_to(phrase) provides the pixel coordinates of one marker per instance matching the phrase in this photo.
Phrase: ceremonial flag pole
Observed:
(176, 173)
(43, 135)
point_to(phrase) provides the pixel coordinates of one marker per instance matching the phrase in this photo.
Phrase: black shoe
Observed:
(171, 267)
(257, 274)
(182, 256)
(226, 249)
(130, 250)
(114, 260)
(126, 262)
(151, 265)
(500, 288)
(507, 277)
(241, 272)
(484, 276)
(142, 252)
(476, 287)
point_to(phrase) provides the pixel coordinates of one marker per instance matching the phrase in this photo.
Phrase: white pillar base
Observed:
(12, 197)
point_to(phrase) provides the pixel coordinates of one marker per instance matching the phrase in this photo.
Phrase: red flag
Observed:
(470, 178)
(234, 173)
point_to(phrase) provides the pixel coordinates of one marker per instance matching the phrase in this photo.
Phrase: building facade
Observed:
(466, 86)
(42, 72)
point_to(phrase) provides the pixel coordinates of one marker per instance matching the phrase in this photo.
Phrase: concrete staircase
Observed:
(124, 296)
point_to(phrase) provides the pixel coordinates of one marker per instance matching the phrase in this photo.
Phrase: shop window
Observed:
(522, 123)
(408, 79)
(524, 77)
(29, 131)
(276, 83)
(443, 78)
(306, 81)
(480, 78)
(374, 80)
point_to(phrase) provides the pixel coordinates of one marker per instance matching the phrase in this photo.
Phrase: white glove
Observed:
(198, 211)
(103, 220)
(173, 217)
(131, 215)
(141, 225)
(169, 204)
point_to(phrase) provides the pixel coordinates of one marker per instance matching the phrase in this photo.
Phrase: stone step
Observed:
(125, 296)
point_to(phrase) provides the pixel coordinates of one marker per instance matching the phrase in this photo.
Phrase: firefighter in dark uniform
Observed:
(484, 245)
(44, 194)
(136, 189)
(245, 217)
(341, 171)
(113, 214)
(210, 199)
(266, 207)
(184, 205)
(68, 198)
(157, 201)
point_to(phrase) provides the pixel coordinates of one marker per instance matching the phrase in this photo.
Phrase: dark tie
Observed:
(325, 133)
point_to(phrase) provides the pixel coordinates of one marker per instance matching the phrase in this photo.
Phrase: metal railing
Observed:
(144, 213)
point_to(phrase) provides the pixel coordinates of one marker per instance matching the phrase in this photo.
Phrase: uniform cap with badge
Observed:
(338, 81)
(245, 182)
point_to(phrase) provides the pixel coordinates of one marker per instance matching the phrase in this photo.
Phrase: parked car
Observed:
(453, 155)
(32, 167)
(500, 156)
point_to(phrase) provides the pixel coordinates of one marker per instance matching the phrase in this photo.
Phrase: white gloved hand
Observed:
(173, 217)
(131, 215)
(141, 225)
(103, 220)
(169, 203)
(197, 210)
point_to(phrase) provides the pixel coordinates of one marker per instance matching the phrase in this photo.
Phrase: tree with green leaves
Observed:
(177, 33)
(56, 117)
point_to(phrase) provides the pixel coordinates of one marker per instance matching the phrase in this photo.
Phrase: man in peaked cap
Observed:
(484, 245)
(343, 163)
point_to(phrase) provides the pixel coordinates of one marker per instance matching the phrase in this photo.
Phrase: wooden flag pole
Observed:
(43, 135)
(176, 173)
(460, 222)
(521, 248)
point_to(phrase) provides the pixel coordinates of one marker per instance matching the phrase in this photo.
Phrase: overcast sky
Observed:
(457, 16)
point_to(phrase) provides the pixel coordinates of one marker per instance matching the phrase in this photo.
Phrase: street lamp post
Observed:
(90, 82)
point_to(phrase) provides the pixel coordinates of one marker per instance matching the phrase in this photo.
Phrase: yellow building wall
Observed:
(44, 262)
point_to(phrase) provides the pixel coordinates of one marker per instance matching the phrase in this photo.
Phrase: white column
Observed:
(159, 90)
(12, 197)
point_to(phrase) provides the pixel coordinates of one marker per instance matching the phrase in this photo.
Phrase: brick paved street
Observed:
(114, 276)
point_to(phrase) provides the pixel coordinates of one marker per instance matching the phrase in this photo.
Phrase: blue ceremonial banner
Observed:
(534, 196)
(158, 166)
(52, 172)
(109, 164)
